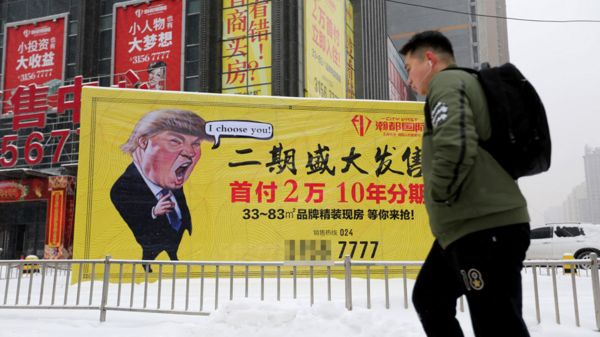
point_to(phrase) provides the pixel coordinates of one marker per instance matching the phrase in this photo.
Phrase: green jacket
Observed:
(466, 190)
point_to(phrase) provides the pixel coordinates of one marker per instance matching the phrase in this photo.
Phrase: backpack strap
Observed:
(482, 143)
(469, 70)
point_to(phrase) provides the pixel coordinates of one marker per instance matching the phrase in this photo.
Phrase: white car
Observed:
(554, 240)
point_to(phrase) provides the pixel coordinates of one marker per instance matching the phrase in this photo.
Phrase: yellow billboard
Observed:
(246, 47)
(324, 49)
(190, 176)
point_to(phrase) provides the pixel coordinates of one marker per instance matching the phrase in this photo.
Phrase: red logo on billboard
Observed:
(361, 124)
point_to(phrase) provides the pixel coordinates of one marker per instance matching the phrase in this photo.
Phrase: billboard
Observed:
(324, 48)
(247, 40)
(148, 44)
(34, 53)
(399, 89)
(209, 177)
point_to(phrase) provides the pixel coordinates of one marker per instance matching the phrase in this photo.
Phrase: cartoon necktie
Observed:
(174, 219)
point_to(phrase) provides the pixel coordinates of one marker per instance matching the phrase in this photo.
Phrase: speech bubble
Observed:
(238, 129)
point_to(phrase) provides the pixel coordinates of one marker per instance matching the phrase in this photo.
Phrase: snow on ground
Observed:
(288, 317)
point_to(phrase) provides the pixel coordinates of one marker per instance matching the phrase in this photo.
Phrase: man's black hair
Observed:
(156, 65)
(428, 39)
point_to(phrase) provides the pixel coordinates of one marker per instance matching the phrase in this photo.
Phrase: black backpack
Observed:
(520, 139)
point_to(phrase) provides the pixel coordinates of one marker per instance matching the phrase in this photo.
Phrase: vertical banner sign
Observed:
(34, 53)
(56, 218)
(350, 83)
(247, 47)
(59, 227)
(253, 178)
(324, 48)
(148, 41)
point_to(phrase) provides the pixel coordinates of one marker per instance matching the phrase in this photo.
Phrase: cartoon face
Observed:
(168, 158)
(156, 77)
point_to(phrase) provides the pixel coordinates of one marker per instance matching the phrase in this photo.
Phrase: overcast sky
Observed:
(562, 62)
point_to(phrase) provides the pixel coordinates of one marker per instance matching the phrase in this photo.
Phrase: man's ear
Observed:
(430, 56)
(142, 142)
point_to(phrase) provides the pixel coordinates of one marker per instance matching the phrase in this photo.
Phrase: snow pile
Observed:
(296, 317)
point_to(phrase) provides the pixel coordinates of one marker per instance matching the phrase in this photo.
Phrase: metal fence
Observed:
(195, 288)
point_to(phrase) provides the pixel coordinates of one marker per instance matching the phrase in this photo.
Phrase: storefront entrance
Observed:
(22, 229)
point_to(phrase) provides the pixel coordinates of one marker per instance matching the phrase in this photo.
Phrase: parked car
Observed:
(31, 267)
(554, 240)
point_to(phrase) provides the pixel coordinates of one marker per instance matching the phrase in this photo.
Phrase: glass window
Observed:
(104, 67)
(17, 11)
(106, 7)
(541, 233)
(37, 8)
(191, 69)
(59, 6)
(568, 231)
(105, 44)
(191, 28)
(71, 71)
(106, 22)
(71, 49)
(192, 84)
(73, 28)
(193, 6)
(74, 11)
(475, 54)
(192, 53)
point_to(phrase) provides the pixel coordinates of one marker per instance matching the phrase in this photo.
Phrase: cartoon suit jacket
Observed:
(134, 201)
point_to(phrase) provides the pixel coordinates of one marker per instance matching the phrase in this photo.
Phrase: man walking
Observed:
(477, 213)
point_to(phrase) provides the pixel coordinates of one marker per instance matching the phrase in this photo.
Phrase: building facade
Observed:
(591, 160)
(583, 203)
(52, 48)
(476, 39)
(575, 207)
(312, 48)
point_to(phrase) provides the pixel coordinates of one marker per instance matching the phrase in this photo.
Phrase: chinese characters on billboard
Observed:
(247, 47)
(44, 129)
(148, 42)
(325, 48)
(34, 53)
(255, 178)
(42, 113)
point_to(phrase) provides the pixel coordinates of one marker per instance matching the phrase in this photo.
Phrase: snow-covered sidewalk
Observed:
(293, 317)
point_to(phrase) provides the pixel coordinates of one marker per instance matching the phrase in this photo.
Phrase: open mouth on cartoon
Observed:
(181, 170)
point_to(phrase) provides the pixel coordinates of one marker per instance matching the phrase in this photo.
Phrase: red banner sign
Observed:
(23, 190)
(34, 52)
(148, 40)
(59, 225)
(56, 218)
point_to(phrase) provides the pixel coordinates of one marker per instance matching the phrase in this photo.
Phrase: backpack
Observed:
(520, 140)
